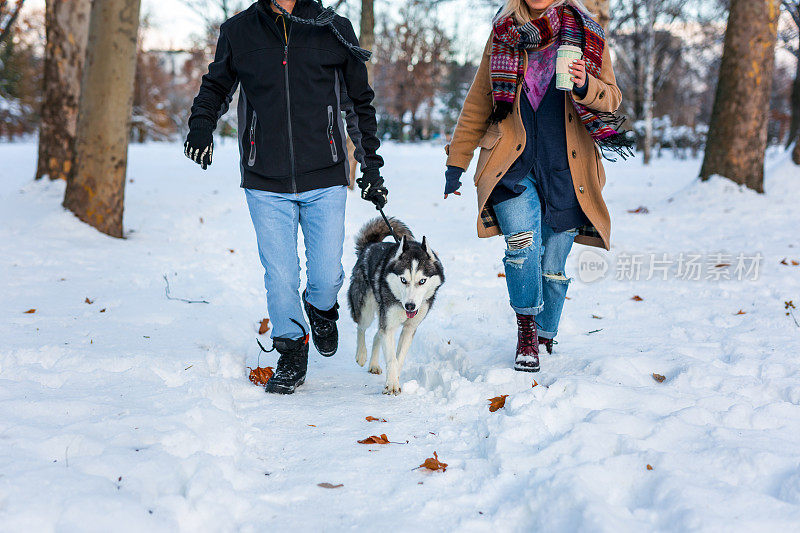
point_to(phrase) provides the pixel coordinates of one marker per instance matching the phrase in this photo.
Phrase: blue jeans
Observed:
(535, 259)
(276, 217)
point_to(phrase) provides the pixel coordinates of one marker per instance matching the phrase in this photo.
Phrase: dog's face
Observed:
(414, 275)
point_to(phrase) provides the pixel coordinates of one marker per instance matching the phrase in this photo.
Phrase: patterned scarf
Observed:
(568, 26)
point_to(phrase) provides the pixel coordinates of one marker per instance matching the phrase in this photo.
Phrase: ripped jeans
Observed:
(535, 259)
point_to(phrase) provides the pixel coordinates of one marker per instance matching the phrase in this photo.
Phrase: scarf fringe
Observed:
(611, 120)
(500, 112)
(619, 143)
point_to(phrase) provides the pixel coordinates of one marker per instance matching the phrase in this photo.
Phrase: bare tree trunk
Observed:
(649, 78)
(794, 125)
(96, 185)
(67, 28)
(367, 38)
(601, 10)
(796, 152)
(737, 135)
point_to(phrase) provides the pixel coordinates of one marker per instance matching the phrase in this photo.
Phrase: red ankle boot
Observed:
(527, 359)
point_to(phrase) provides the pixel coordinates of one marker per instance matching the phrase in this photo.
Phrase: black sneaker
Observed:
(292, 364)
(323, 327)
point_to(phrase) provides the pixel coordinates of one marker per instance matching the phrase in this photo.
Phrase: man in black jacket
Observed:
(293, 61)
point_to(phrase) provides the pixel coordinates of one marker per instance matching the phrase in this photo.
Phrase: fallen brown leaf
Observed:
(534, 383)
(649, 467)
(433, 463)
(330, 485)
(640, 210)
(598, 317)
(637, 298)
(722, 265)
(795, 263)
(498, 402)
(103, 310)
(264, 327)
(374, 439)
(740, 312)
(88, 301)
(311, 425)
(784, 262)
(231, 250)
(260, 376)
(29, 311)
(658, 377)
(501, 275)
(373, 419)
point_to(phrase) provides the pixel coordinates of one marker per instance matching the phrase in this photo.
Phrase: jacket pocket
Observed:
(251, 159)
(559, 190)
(334, 153)
(487, 144)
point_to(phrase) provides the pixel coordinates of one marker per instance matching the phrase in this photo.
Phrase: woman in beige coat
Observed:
(539, 174)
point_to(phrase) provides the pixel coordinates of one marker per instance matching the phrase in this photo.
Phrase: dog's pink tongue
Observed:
(411, 314)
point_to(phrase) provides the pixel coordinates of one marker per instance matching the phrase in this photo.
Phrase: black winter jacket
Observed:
(291, 135)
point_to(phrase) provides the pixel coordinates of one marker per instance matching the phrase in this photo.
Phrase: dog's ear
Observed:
(428, 250)
(404, 243)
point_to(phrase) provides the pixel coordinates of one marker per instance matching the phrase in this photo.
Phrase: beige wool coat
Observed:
(502, 143)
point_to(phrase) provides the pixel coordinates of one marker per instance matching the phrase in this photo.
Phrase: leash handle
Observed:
(388, 225)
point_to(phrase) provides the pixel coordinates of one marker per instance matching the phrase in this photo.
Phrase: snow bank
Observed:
(134, 412)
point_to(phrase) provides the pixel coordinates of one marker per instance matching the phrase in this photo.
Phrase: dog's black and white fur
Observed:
(396, 281)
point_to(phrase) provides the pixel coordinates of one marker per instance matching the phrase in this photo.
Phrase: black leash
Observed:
(389, 225)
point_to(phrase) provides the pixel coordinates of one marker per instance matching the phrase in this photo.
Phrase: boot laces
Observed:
(526, 330)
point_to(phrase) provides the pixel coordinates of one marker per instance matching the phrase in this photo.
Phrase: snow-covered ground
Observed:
(134, 412)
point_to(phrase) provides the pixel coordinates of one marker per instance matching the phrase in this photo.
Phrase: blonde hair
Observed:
(519, 10)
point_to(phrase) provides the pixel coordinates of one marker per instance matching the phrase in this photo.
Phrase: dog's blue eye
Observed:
(404, 281)
(422, 281)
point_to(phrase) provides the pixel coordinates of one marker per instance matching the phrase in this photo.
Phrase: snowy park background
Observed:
(134, 412)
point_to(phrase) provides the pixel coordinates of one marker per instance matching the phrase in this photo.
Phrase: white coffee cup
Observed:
(565, 55)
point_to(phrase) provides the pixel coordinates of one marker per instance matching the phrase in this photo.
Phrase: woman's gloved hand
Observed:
(452, 177)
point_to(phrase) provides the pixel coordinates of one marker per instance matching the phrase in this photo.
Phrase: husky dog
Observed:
(396, 281)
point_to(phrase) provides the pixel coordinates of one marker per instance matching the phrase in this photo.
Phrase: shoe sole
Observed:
(526, 368)
(280, 389)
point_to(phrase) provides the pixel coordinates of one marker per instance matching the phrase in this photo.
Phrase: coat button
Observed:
(601, 95)
(499, 174)
(580, 189)
(519, 147)
(574, 154)
(569, 117)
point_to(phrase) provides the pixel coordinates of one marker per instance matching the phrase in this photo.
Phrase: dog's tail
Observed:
(375, 231)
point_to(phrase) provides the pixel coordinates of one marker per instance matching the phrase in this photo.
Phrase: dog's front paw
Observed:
(375, 369)
(361, 358)
(392, 388)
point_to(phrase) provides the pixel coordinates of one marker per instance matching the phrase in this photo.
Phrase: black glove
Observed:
(372, 189)
(199, 145)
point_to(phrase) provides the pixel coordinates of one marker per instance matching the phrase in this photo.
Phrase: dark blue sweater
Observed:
(544, 155)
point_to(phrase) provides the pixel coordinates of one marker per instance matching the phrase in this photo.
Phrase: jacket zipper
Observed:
(252, 159)
(289, 107)
(334, 155)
